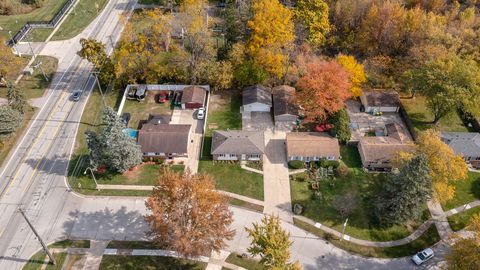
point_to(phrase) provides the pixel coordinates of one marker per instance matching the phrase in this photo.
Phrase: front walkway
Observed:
(440, 219)
(276, 182)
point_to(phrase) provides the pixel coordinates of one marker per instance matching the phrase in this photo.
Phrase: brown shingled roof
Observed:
(382, 149)
(312, 144)
(284, 100)
(164, 138)
(193, 94)
(381, 98)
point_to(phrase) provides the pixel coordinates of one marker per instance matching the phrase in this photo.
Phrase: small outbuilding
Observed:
(256, 98)
(284, 107)
(380, 101)
(193, 97)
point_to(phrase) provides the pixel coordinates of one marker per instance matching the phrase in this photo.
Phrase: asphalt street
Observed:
(33, 177)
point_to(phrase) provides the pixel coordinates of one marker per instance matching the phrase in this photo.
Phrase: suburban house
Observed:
(380, 101)
(193, 97)
(466, 144)
(284, 107)
(377, 152)
(311, 146)
(237, 145)
(256, 98)
(164, 140)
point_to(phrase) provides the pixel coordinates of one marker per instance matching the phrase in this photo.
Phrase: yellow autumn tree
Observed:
(445, 166)
(272, 35)
(357, 73)
(464, 254)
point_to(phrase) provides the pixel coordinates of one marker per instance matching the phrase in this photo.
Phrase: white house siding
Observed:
(256, 107)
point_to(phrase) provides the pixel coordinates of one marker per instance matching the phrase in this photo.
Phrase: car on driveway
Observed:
(161, 98)
(201, 113)
(422, 256)
(76, 95)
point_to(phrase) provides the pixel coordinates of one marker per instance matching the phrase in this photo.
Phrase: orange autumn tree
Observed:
(323, 89)
(188, 215)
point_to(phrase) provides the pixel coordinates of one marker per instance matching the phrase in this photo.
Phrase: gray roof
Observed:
(463, 143)
(164, 138)
(237, 142)
(284, 100)
(257, 93)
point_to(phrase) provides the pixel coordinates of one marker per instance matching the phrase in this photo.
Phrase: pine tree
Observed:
(112, 148)
(341, 126)
(405, 193)
(16, 99)
(271, 242)
(10, 120)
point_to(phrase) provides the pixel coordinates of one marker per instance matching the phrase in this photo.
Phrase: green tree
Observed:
(341, 126)
(112, 148)
(448, 84)
(95, 53)
(218, 74)
(10, 120)
(405, 193)
(16, 99)
(313, 14)
(9, 62)
(271, 242)
(250, 74)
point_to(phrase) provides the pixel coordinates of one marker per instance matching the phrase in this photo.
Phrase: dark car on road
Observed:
(76, 95)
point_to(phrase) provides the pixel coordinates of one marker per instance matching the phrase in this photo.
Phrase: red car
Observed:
(323, 127)
(162, 98)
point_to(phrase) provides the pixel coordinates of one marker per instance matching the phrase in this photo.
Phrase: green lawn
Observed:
(37, 261)
(15, 22)
(466, 191)
(112, 262)
(222, 115)
(232, 178)
(429, 238)
(422, 118)
(459, 221)
(362, 222)
(80, 17)
(246, 263)
(71, 243)
(141, 110)
(350, 156)
(34, 86)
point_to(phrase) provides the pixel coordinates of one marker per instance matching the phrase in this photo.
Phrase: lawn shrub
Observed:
(325, 163)
(341, 171)
(295, 164)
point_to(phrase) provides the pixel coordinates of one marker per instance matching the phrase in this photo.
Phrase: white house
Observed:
(256, 98)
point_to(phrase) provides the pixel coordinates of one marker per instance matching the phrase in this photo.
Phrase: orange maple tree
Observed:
(188, 215)
(323, 89)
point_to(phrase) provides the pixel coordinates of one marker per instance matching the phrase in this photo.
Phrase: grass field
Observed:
(429, 238)
(34, 86)
(422, 118)
(466, 191)
(232, 178)
(111, 262)
(80, 17)
(141, 110)
(461, 220)
(246, 263)
(36, 262)
(223, 114)
(13, 23)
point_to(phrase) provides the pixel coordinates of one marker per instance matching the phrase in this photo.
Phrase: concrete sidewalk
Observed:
(440, 219)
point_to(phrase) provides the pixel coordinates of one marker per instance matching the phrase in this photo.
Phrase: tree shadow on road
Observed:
(106, 224)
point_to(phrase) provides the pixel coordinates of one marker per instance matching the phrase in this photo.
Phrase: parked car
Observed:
(141, 93)
(161, 98)
(76, 95)
(422, 256)
(131, 93)
(126, 118)
(201, 113)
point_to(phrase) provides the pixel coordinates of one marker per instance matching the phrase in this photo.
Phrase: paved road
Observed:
(33, 176)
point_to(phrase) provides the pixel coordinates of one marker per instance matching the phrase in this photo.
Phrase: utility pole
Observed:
(45, 248)
(95, 73)
(39, 65)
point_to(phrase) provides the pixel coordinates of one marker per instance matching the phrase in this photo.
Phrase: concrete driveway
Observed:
(276, 182)
(189, 117)
(258, 121)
